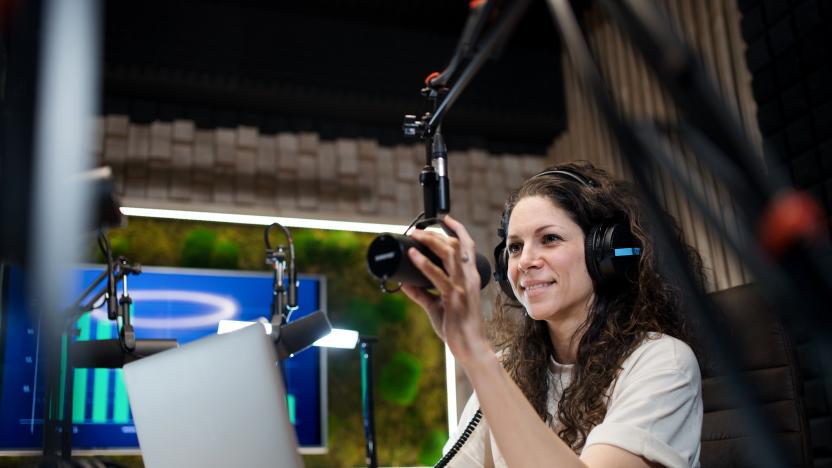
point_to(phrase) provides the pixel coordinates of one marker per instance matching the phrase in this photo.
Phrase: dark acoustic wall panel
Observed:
(340, 69)
(789, 57)
(18, 68)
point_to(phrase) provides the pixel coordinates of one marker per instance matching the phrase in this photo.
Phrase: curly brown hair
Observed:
(619, 319)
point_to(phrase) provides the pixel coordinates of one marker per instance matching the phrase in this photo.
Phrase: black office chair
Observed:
(769, 363)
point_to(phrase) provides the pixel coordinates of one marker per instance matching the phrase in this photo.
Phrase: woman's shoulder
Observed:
(659, 363)
(659, 351)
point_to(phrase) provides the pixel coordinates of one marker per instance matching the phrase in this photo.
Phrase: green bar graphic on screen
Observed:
(101, 378)
(79, 391)
(121, 407)
(290, 402)
(63, 374)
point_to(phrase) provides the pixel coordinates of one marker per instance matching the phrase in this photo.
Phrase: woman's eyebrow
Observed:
(537, 230)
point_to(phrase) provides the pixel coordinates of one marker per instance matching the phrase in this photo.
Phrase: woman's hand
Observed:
(455, 312)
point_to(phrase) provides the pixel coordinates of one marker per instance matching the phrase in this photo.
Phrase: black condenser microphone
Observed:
(110, 354)
(388, 261)
(443, 183)
(300, 334)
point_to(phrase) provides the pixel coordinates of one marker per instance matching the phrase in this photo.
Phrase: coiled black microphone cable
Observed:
(469, 429)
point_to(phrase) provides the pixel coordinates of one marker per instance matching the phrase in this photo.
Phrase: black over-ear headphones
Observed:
(611, 250)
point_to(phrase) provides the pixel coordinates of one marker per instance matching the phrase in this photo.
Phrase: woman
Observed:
(588, 368)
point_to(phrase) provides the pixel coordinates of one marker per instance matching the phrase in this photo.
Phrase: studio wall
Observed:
(713, 29)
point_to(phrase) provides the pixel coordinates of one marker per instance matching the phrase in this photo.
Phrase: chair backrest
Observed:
(769, 363)
(817, 391)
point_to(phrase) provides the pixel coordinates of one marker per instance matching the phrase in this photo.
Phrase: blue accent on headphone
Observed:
(627, 252)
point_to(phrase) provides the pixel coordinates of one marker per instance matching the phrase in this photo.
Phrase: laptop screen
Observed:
(217, 401)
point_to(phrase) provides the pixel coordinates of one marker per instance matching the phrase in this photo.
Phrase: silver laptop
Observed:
(218, 401)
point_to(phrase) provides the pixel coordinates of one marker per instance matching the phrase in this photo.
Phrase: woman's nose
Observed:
(529, 259)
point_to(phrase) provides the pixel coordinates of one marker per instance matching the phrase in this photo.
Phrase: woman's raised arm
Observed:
(522, 437)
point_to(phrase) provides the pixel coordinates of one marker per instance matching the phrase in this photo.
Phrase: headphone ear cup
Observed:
(591, 255)
(501, 268)
(499, 262)
(622, 254)
(612, 255)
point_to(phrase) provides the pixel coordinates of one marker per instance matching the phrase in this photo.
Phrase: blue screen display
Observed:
(169, 303)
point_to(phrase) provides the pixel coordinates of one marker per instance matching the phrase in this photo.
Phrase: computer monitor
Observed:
(177, 303)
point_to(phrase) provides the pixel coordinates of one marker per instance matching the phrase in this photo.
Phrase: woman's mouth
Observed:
(536, 289)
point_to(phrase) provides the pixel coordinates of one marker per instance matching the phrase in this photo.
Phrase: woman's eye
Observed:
(513, 249)
(549, 238)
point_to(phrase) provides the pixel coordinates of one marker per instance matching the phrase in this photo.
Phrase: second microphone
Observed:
(387, 260)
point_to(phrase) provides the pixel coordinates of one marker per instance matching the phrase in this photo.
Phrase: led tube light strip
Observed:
(337, 338)
(261, 220)
(450, 386)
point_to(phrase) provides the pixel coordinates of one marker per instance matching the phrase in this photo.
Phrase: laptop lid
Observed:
(217, 401)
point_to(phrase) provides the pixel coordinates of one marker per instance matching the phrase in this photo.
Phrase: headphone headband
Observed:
(604, 249)
(585, 181)
(568, 173)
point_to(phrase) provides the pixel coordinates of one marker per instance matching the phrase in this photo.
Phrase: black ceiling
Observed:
(343, 68)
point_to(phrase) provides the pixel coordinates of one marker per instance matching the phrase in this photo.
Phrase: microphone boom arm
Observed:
(434, 178)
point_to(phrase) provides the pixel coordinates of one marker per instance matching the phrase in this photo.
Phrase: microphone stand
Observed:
(97, 353)
(366, 349)
(294, 337)
(53, 437)
(68, 345)
(127, 335)
(434, 177)
(284, 299)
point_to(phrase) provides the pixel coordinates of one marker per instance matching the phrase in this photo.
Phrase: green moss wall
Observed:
(411, 404)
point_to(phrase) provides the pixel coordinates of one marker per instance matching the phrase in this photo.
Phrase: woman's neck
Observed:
(565, 331)
(564, 339)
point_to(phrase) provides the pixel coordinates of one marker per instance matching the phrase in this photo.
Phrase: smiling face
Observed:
(546, 265)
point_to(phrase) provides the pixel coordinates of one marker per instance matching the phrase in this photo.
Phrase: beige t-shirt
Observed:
(654, 409)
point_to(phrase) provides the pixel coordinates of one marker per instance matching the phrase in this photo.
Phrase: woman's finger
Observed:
(446, 248)
(467, 249)
(434, 274)
(465, 240)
